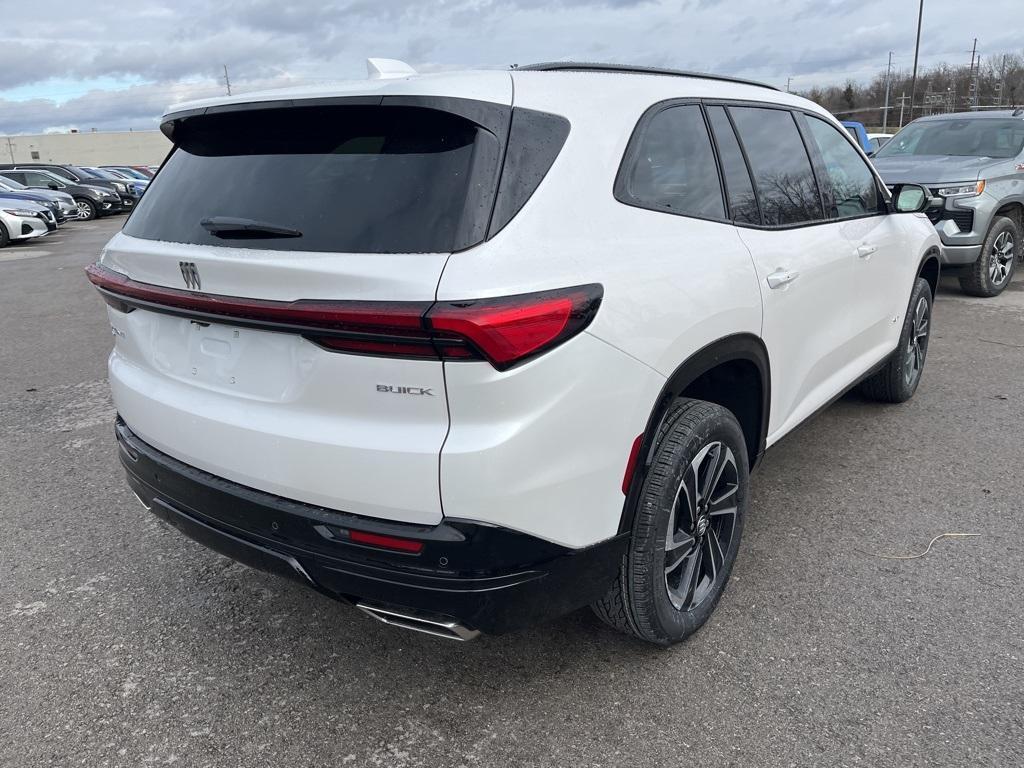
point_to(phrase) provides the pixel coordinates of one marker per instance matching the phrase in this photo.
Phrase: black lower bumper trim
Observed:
(487, 578)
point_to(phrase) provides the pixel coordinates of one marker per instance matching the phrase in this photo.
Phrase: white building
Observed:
(92, 148)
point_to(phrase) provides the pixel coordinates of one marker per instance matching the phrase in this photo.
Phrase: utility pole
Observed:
(903, 100)
(10, 149)
(917, 49)
(788, 81)
(885, 112)
(972, 88)
(227, 80)
(1001, 85)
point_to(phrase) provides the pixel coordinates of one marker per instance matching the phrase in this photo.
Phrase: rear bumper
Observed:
(484, 577)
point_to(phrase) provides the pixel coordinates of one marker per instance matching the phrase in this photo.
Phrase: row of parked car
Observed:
(37, 198)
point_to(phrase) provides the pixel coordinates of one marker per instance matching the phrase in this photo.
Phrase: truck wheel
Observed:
(686, 531)
(993, 270)
(898, 380)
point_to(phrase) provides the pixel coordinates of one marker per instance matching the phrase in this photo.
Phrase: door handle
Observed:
(781, 277)
(863, 251)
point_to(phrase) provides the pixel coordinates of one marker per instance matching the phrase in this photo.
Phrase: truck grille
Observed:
(963, 218)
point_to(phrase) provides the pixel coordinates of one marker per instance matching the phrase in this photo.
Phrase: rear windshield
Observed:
(351, 178)
(984, 137)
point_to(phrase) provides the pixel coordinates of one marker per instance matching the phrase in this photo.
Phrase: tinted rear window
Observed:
(353, 178)
(782, 171)
(672, 167)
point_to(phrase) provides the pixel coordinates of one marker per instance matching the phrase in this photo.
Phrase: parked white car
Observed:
(514, 340)
(878, 140)
(23, 220)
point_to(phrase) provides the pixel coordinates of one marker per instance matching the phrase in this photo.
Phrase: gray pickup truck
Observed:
(973, 163)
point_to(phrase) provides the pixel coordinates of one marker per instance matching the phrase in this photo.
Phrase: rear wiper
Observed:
(227, 226)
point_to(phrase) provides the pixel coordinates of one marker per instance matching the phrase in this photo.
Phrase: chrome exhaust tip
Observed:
(438, 626)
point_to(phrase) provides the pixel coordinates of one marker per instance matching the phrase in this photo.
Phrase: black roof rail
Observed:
(589, 66)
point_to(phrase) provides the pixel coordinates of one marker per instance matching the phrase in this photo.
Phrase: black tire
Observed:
(993, 270)
(87, 209)
(648, 599)
(4, 237)
(897, 381)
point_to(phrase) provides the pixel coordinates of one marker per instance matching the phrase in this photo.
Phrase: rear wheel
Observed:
(898, 380)
(687, 527)
(86, 210)
(993, 270)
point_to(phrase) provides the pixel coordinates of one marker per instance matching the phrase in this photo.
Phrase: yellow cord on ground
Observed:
(929, 549)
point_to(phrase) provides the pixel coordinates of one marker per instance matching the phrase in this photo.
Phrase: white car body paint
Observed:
(542, 447)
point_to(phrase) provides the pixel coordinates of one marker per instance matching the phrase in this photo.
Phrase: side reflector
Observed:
(385, 542)
(634, 454)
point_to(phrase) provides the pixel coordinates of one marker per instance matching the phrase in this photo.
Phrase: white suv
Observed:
(472, 350)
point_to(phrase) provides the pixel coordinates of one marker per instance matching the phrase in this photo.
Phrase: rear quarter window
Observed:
(670, 166)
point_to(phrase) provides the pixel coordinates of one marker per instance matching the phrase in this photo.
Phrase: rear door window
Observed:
(738, 187)
(780, 165)
(848, 185)
(348, 178)
(672, 166)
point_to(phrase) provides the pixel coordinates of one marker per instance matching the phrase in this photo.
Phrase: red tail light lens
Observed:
(510, 329)
(504, 330)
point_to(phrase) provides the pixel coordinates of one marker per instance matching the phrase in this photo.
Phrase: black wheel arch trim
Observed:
(740, 346)
(932, 254)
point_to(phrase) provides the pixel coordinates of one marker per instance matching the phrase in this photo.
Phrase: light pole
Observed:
(885, 112)
(917, 48)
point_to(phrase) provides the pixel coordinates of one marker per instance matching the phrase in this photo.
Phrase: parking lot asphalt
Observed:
(124, 644)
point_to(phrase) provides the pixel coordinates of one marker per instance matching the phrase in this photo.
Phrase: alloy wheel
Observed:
(917, 346)
(1001, 258)
(701, 526)
(83, 210)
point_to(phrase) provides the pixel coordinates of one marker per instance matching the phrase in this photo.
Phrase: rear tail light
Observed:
(504, 331)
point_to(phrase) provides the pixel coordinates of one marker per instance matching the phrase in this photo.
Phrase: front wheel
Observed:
(687, 527)
(86, 209)
(993, 270)
(898, 379)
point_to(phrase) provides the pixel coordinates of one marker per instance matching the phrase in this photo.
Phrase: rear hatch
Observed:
(257, 268)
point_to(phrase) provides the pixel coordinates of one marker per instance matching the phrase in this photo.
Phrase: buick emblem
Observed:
(190, 274)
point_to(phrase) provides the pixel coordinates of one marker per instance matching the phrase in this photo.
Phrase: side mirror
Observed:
(53, 185)
(910, 198)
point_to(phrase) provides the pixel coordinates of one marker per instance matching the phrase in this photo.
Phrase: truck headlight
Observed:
(963, 190)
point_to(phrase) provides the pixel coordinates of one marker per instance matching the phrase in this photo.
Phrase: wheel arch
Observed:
(930, 269)
(1012, 208)
(722, 373)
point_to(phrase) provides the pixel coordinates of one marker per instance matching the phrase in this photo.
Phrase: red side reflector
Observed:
(634, 454)
(385, 542)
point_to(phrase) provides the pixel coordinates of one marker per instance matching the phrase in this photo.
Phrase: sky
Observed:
(118, 65)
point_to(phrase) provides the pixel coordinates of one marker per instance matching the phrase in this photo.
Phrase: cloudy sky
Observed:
(117, 65)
